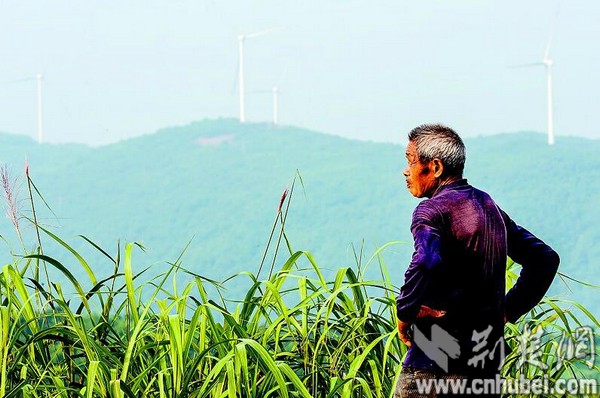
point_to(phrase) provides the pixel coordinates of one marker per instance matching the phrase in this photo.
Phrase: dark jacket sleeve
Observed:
(539, 266)
(426, 234)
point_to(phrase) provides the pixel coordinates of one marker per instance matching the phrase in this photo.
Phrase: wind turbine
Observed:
(241, 39)
(274, 91)
(39, 77)
(547, 64)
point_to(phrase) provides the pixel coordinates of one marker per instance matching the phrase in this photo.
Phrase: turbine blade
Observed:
(526, 65)
(261, 33)
(27, 79)
(547, 52)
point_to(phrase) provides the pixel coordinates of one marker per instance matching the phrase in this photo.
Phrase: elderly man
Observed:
(453, 305)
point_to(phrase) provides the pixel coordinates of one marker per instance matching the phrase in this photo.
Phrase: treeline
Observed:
(217, 184)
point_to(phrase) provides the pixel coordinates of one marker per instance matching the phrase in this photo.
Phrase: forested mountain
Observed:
(218, 183)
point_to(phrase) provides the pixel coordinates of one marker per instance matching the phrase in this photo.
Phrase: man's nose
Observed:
(405, 172)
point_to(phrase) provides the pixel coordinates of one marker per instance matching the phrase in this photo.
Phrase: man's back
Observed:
(460, 239)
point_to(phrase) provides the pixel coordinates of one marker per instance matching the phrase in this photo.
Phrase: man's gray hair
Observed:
(439, 141)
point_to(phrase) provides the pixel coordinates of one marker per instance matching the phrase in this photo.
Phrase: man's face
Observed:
(420, 178)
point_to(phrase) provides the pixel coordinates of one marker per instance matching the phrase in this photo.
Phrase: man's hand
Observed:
(405, 332)
(404, 328)
(425, 311)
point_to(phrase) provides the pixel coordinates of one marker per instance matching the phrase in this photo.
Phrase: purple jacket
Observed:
(461, 241)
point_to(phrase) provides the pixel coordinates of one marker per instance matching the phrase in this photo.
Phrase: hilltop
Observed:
(217, 183)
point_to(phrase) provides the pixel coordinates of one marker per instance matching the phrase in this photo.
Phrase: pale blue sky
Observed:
(368, 70)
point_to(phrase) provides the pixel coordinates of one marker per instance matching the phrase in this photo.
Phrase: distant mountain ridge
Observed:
(218, 184)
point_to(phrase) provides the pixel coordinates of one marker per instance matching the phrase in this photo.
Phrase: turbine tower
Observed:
(40, 121)
(241, 39)
(275, 91)
(547, 64)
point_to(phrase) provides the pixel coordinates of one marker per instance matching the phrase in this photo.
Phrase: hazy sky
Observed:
(368, 70)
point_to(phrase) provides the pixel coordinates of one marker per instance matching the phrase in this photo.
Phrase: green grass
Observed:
(178, 334)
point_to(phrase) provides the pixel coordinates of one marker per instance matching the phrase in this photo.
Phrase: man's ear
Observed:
(437, 167)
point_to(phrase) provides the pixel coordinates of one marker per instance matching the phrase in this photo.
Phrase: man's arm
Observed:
(539, 266)
(426, 234)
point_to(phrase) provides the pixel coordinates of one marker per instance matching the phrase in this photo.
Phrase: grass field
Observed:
(178, 334)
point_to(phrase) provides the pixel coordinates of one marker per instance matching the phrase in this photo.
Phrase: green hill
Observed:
(218, 183)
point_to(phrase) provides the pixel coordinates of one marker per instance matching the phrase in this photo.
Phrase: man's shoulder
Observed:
(459, 202)
(460, 193)
(427, 209)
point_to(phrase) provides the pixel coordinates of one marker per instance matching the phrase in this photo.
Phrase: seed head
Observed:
(283, 196)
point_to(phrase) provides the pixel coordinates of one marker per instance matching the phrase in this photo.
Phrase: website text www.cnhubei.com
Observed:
(507, 386)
